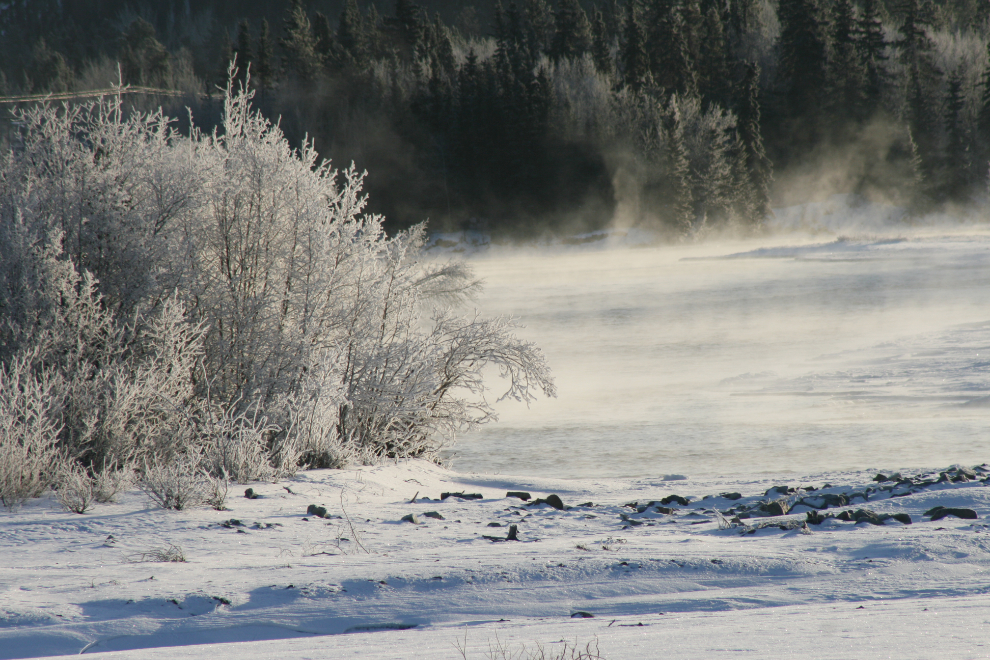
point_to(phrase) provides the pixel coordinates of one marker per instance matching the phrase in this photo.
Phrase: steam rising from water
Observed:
(774, 355)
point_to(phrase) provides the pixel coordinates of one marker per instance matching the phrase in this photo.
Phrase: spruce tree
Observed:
(264, 71)
(714, 83)
(956, 157)
(612, 14)
(802, 73)
(406, 29)
(635, 62)
(678, 172)
(242, 50)
(351, 35)
(669, 48)
(847, 73)
(916, 52)
(601, 45)
(540, 21)
(325, 40)
(873, 52)
(983, 123)
(469, 130)
(299, 43)
(692, 24)
(143, 59)
(758, 168)
(48, 71)
(573, 36)
(440, 48)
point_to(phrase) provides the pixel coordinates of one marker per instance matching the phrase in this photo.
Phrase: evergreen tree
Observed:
(714, 83)
(242, 50)
(847, 73)
(264, 70)
(983, 123)
(440, 49)
(678, 169)
(612, 15)
(669, 49)
(917, 55)
(692, 24)
(143, 59)
(601, 45)
(375, 35)
(873, 53)
(573, 37)
(406, 29)
(469, 140)
(542, 29)
(299, 43)
(351, 35)
(221, 71)
(635, 62)
(325, 41)
(48, 71)
(802, 70)
(956, 158)
(757, 166)
(739, 17)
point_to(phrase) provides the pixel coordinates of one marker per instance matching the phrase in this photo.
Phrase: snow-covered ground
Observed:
(267, 579)
(852, 337)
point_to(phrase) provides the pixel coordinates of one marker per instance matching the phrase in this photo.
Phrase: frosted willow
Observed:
(305, 334)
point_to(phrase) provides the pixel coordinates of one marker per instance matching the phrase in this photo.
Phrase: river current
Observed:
(784, 355)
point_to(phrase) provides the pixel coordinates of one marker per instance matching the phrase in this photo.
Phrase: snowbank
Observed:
(716, 575)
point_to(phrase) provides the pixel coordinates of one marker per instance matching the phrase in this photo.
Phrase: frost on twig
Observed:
(223, 295)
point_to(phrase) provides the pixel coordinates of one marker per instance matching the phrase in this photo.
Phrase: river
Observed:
(783, 355)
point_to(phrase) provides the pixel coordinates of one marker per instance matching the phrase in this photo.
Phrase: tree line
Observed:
(677, 114)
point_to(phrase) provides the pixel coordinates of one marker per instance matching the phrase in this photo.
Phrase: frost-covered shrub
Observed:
(215, 490)
(234, 445)
(29, 430)
(225, 295)
(174, 484)
(110, 480)
(74, 488)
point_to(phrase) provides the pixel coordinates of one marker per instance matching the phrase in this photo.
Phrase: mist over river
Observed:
(788, 354)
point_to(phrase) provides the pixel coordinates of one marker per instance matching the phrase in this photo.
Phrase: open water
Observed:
(790, 354)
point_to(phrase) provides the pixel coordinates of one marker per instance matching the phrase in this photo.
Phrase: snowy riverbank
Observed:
(766, 586)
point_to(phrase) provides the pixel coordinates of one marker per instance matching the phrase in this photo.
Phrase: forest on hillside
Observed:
(563, 114)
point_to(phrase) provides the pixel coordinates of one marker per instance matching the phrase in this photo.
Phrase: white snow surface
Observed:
(265, 579)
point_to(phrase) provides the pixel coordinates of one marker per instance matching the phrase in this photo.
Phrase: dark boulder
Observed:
(815, 518)
(775, 508)
(463, 496)
(552, 500)
(318, 511)
(940, 512)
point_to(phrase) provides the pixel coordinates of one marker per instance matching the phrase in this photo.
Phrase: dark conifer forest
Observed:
(531, 115)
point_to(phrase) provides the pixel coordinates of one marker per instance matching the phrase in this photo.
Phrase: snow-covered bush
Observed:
(29, 455)
(74, 488)
(215, 490)
(176, 484)
(235, 445)
(226, 296)
(110, 480)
